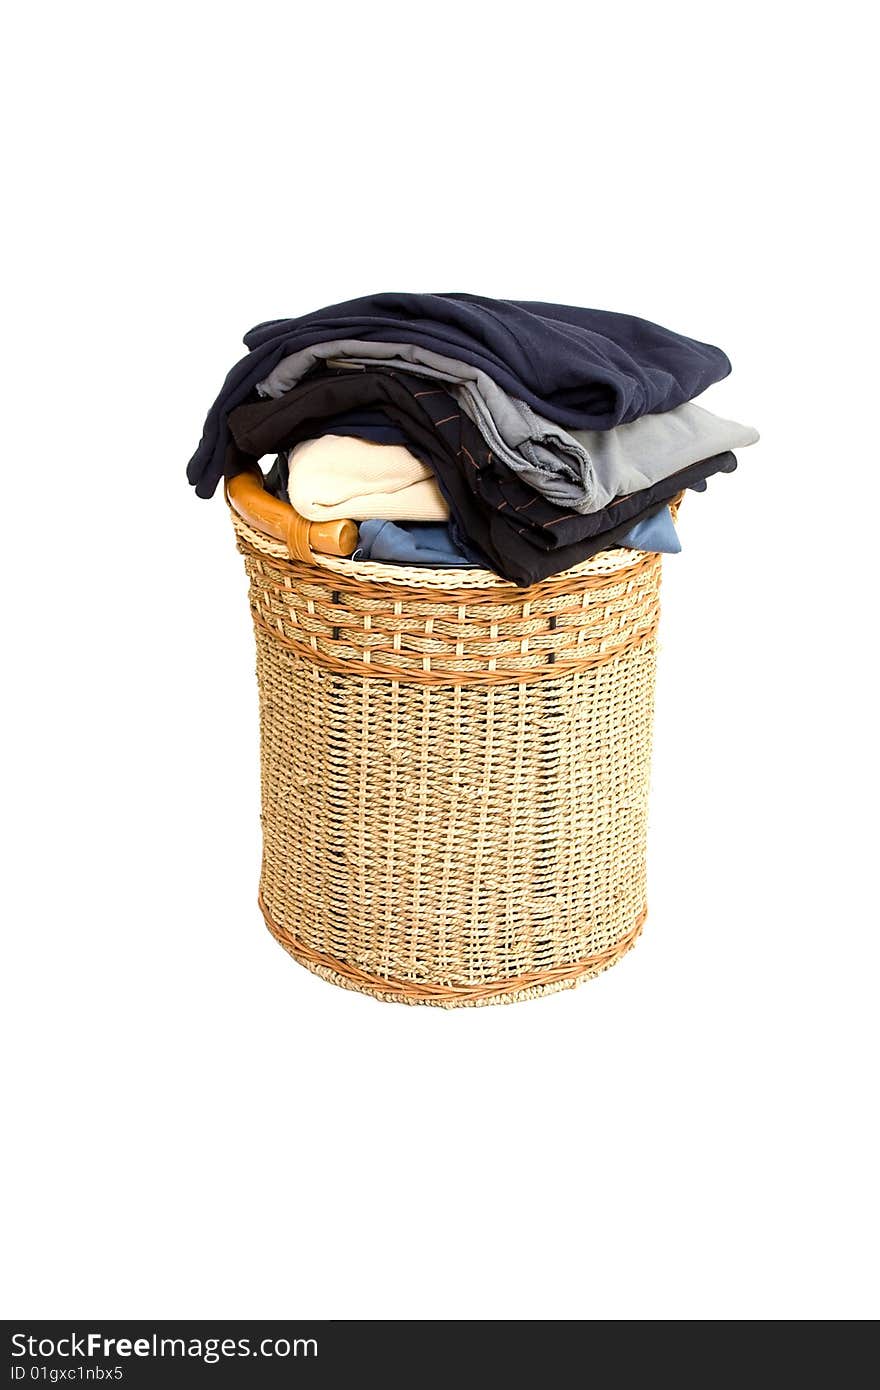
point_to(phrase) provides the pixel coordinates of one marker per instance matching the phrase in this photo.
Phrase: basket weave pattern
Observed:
(454, 780)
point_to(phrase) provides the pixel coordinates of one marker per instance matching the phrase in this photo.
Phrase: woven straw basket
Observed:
(454, 770)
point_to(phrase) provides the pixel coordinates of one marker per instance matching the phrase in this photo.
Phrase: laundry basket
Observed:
(454, 770)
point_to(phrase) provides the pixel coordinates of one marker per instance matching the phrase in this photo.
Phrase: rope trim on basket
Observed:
(435, 637)
(415, 991)
(503, 591)
(367, 666)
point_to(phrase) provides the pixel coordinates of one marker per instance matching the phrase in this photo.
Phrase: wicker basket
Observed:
(454, 770)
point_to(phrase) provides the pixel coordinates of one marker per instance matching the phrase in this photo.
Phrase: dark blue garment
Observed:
(373, 425)
(584, 368)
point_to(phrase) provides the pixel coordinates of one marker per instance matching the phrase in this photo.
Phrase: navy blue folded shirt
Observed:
(584, 368)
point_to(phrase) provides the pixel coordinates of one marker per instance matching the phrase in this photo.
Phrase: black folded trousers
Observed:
(524, 537)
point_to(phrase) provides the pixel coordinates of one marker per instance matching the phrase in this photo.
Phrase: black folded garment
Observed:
(524, 537)
(584, 368)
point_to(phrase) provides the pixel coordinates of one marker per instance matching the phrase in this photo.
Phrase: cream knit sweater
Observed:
(337, 476)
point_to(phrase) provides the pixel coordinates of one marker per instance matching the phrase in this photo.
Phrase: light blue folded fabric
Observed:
(409, 543)
(657, 534)
(430, 543)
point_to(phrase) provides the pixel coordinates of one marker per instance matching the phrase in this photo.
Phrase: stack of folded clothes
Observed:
(518, 436)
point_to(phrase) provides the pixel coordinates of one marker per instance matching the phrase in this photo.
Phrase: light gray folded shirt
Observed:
(581, 470)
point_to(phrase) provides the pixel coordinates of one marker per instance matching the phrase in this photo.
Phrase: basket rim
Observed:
(606, 562)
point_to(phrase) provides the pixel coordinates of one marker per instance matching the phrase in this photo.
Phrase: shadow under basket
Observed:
(454, 770)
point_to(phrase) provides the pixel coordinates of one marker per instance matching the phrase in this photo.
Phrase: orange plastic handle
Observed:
(248, 497)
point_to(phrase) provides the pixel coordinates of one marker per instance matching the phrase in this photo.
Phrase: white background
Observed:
(196, 1126)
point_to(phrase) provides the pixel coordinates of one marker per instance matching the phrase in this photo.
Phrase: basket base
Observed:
(337, 972)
